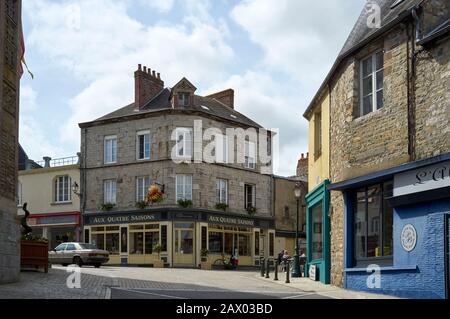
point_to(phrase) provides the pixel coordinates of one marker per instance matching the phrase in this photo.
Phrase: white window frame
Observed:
(110, 158)
(138, 136)
(187, 144)
(110, 192)
(221, 148)
(184, 100)
(142, 182)
(373, 74)
(66, 193)
(250, 161)
(253, 195)
(186, 187)
(221, 191)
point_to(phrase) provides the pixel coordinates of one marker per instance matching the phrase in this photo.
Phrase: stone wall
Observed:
(9, 115)
(162, 169)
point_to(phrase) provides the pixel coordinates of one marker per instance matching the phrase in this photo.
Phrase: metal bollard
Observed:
(267, 268)
(288, 271)
(276, 270)
(261, 262)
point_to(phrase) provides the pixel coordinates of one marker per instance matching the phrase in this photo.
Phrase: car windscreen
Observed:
(88, 246)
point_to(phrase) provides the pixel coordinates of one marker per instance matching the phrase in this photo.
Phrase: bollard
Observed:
(276, 270)
(267, 268)
(261, 261)
(288, 269)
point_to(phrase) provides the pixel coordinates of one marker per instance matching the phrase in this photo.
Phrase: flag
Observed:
(22, 55)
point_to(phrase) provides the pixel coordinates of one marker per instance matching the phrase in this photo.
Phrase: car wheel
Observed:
(77, 261)
(97, 265)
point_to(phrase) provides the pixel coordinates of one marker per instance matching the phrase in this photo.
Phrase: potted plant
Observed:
(185, 203)
(158, 263)
(221, 206)
(33, 249)
(154, 195)
(251, 210)
(141, 204)
(107, 206)
(205, 264)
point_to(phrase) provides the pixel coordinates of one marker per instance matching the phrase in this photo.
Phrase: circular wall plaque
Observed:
(408, 237)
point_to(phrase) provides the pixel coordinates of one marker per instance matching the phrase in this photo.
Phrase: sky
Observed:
(83, 54)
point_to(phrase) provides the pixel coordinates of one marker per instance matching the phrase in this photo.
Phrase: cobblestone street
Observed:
(168, 283)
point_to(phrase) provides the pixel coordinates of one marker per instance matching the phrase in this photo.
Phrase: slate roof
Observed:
(392, 11)
(162, 101)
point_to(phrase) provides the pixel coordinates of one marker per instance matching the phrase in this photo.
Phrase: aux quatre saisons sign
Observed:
(121, 219)
(231, 221)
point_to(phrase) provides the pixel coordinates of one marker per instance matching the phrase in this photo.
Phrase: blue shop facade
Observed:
(396, 225)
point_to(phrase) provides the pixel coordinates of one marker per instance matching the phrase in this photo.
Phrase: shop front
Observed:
(183, 234)
(396, 223)
(56, 227)
(318, 234)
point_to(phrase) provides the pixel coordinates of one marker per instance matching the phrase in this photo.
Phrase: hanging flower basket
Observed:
(154, 195)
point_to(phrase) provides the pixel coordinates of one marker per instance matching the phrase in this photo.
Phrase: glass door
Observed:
(184, 244)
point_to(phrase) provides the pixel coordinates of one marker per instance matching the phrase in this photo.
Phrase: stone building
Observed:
(10, 13)
(389, 149)
(183, 145)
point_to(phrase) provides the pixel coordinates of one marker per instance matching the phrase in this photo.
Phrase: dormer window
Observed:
(183, 99)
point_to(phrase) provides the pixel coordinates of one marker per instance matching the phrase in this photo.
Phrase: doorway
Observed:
(184, 245)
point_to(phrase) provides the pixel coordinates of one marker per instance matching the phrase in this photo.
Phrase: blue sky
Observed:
(273, 53)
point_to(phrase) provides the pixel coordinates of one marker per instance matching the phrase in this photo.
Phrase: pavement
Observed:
(167, 283)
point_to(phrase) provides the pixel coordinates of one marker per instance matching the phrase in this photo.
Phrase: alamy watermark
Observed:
(255, 148)
(374, 279)
(373, 11)
(73, 281)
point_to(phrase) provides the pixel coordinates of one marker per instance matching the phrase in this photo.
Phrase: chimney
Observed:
(47, 161)
(146, 85)
(302, 166)
(226, 97)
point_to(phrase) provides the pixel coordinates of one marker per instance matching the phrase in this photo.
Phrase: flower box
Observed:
(33, 254)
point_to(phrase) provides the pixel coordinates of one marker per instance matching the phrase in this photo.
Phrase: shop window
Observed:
(373, 223)
(271, 244)
(86, 236)
(204, 237)
(98, 240)
(164, 237)
(244, 244)
(63, 189)
(151, 239)
(257, 243)
(137, 243)
(317, 232)
(215, 242)
(112, 243)
(124, 240)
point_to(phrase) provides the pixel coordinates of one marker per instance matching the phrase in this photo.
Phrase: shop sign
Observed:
(231, 220)
(423, 179)
(408, 237)
(120, 219)
(313, 272)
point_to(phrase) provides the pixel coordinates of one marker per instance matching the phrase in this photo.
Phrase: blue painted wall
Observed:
(428, 279)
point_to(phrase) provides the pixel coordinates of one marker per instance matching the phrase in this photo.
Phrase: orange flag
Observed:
(22, 55)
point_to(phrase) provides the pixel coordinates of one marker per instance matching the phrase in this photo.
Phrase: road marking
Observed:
(150, 293)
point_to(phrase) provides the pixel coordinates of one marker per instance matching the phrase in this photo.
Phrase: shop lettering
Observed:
(436, 175)
(122, 219)
(231, 220)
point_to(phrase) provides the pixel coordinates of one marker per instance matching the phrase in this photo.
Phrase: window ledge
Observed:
(61, 203)
(385, 268)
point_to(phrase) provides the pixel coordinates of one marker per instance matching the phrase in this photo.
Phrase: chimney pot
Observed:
(159, 76)
(149, 70)
(139, 67)
(47, 161)
(145, 69)
(154, 73)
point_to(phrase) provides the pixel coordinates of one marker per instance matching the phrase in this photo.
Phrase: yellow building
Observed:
(318, 198)
(50, 191)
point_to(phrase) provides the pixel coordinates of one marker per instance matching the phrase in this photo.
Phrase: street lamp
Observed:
(296, 267)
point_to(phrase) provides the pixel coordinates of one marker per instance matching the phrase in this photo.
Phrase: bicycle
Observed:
(223, 262)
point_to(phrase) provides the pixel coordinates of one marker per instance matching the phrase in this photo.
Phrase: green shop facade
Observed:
(318, 233)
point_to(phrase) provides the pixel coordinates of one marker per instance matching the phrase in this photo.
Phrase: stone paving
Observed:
(96, 283)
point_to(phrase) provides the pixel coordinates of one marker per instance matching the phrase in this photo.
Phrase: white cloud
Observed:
(301, 38)
(103, 50)
(160, 5)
